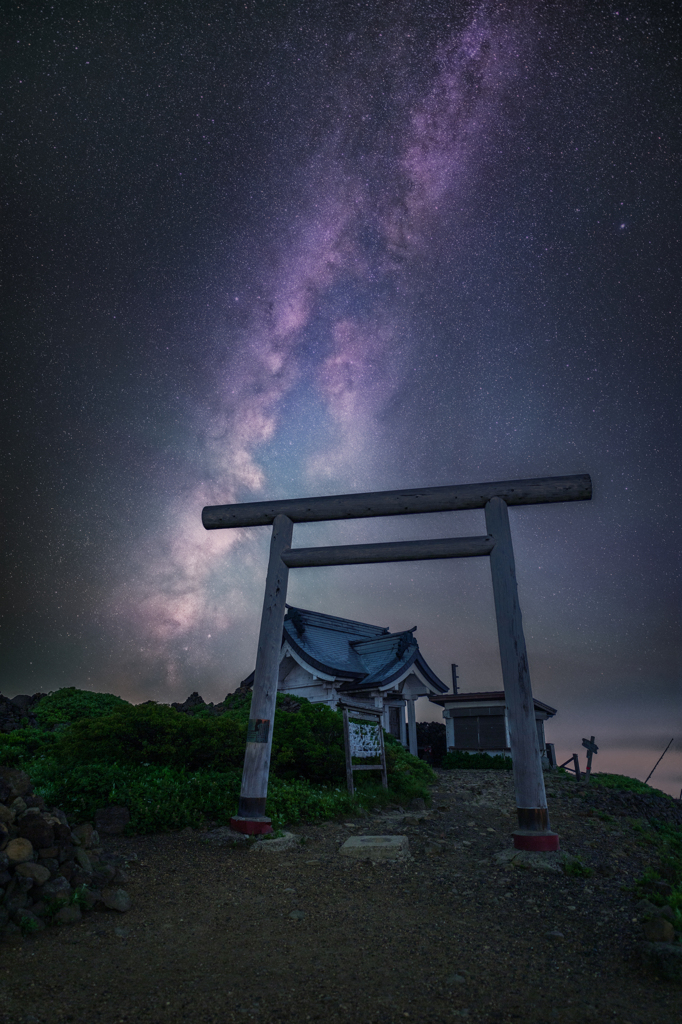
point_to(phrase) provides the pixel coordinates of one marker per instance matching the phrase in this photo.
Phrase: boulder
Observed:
(17, 901)
(664, 958)
(7, 815)
(35, 828)
(84, 860)
(37, 872)
(116, 899)
(19, 850)
(62, 833)
(112, 820)
(68, 915)
(35, 801)
(57, 813)
(657, 929)
(92, 898)
(85, 833)
(22, 883)
(103, 874)
(13, 783)
(58, 888)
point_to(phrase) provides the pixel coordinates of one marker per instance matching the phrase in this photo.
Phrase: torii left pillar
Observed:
(533, 832)
(251, 818)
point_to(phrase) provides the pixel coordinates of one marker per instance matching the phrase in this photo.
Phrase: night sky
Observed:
(256, 250)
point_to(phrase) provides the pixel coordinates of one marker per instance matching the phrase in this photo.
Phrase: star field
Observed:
(263, 250)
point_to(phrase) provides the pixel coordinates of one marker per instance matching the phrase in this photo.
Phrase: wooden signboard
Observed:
(363, 738)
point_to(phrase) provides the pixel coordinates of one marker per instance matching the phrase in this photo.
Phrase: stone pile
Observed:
(49, 872)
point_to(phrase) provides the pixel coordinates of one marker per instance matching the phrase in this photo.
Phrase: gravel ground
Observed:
(444, 936)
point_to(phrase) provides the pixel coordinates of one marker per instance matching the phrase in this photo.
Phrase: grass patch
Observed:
(667, 841)
(625, 784)
(575, 868)
(455, 759)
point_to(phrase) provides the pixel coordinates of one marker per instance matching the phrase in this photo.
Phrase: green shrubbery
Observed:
(457, 759)
(173, 769)
(157, 735)
(71, 705)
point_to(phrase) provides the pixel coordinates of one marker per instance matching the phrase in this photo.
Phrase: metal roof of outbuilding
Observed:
(484, 697)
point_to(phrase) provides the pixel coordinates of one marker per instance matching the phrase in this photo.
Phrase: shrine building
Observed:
(324, 658)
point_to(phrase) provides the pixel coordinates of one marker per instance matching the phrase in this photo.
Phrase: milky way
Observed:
(332, 248)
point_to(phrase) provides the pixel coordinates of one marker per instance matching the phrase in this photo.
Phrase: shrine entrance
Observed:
(533, 832)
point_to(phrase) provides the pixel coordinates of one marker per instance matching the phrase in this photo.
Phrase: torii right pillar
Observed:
(533, 832)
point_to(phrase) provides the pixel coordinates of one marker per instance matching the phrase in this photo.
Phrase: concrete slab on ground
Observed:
(375, 847)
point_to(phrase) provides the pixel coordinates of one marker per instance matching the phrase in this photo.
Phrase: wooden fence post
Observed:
(251, 817)
(531, 802)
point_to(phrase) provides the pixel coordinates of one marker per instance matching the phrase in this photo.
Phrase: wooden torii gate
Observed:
(533, 831)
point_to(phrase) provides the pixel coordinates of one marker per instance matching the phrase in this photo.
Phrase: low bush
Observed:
(71, 705)
(308, 744)
(457, 759)
(23, 745)
(154, 734)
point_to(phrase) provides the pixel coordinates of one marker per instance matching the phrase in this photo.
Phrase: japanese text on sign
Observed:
(365, 740)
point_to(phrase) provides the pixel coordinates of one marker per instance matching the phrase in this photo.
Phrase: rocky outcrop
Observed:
(15, 712)
(50, 873)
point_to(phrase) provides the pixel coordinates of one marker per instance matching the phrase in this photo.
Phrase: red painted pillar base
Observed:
(536, 841)
(251, 826)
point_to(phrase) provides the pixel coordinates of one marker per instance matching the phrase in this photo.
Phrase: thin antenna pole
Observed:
(658, 762)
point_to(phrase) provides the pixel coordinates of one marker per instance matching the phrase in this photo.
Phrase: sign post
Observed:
(591, 748)
(363, 738)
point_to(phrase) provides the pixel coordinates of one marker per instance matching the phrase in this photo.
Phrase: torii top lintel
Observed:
(455, 497)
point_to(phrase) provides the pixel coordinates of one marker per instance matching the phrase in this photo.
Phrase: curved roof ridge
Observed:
(336, 621)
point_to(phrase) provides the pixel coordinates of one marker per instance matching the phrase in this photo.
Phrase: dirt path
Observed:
(442, 937)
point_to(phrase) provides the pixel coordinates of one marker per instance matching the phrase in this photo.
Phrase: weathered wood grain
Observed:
(254, 788)
(409, 501)
(400, 551)
(523, 737)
